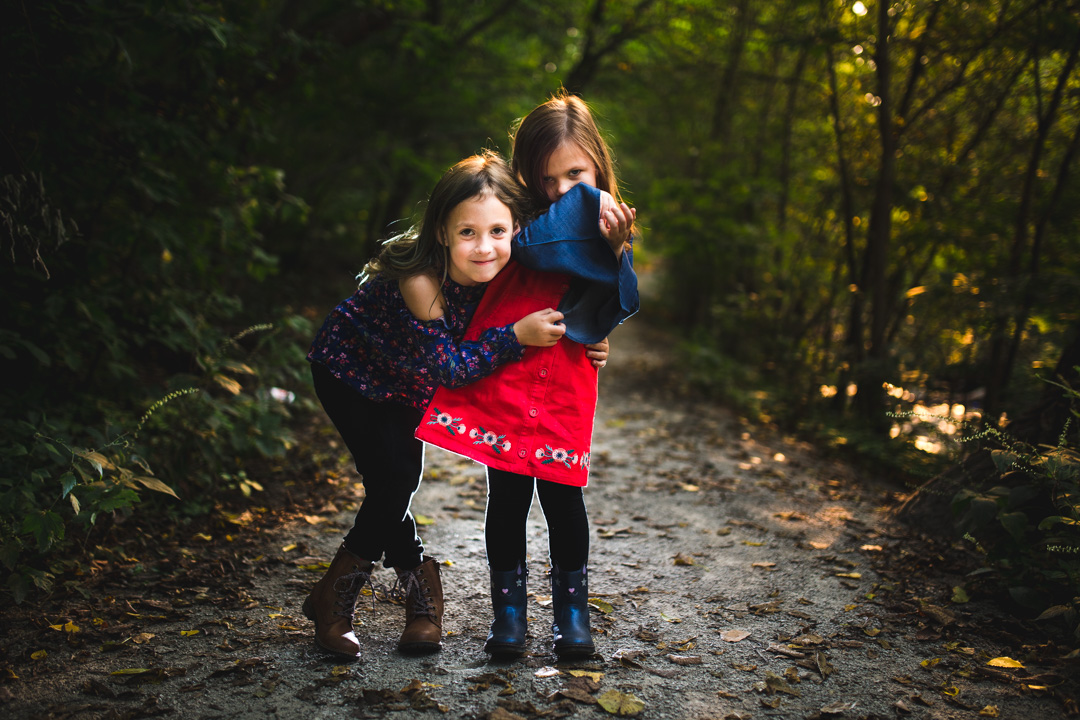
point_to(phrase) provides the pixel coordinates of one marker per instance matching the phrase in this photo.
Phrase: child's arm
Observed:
(455, 364)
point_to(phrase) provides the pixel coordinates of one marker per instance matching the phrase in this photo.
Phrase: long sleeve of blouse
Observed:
(456, 363)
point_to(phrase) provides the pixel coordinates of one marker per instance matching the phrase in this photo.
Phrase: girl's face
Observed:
(478, 232)
(565, 168)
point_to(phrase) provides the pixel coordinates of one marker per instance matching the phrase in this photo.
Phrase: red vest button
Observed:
(543, 372)
(533, 412)
(522, 454)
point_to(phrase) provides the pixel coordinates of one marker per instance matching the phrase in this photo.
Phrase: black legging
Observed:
(509, 501)
(391, 460)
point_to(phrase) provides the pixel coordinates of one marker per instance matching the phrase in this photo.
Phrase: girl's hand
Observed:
(540, 329)
(616, 222)
(598, 353)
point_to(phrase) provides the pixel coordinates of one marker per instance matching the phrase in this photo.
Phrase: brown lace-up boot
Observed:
(421, 588)
(330, 604)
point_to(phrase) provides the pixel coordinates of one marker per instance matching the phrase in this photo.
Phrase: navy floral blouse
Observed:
(372, 342)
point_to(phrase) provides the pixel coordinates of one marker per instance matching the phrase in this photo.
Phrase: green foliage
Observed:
(1025, 519)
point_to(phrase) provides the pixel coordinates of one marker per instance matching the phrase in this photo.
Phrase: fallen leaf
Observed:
(39, 655)
(142, 638)
(959, 595)
(685, 659)
(668, 618)
(572, 693)
(288, 548)
(1005, 662)
(423, 519)
(620, 703)
(734, 636)
(602, 605)
(776, 684)
(850, 576)
(751, 543)
(989, 711)
(681, 559)
(189, 633)
(838, 708)
(766, 565)
(871, 548)
(546, 672)
(901, 706)
(592, 675)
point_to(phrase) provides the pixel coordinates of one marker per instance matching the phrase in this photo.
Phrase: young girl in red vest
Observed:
(531, 422)
(377, 360)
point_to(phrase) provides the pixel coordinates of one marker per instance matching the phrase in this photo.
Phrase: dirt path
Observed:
(734, 576)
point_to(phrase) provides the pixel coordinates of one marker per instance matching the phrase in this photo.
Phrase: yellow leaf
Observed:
(289, 548)
(959, 595)
(204, 537)
(189, 633)
(602, 605)
(39, 654)
(131, 671)
(153, 483)
(930, 662)
(853, 576)
(594, 676)
(423, 520)
(277, 615)
(668, 618)
(620, 703)
(228, 384)
(1005, 662)
(681, 559)
(989, 711)
(142, 638)
(951, 691)
(751, 543)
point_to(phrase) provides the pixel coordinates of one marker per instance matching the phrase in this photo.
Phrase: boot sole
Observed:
(504, 649)
(575, 651)
(419, 648)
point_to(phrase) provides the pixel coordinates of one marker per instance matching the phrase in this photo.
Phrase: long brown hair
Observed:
(418, 250)
(563, 118)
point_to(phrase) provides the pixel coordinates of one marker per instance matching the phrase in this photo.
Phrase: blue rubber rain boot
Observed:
(570, 601)
(509, 601)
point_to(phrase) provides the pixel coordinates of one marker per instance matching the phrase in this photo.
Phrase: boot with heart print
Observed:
(509, 601)
(570, 601)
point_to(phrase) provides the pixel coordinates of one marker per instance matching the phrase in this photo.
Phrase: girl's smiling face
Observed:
(567, 166)
(478, 232)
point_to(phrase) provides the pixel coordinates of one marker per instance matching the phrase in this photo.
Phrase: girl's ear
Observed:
(517, 229)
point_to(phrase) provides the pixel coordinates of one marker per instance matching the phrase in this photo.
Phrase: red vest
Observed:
(532, 417)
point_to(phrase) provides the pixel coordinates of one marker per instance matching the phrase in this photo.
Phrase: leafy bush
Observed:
(1025, 519)
(59, 478)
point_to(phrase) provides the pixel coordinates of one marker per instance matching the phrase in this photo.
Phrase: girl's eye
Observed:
(574, 173)
(467, 232)
(498, 231)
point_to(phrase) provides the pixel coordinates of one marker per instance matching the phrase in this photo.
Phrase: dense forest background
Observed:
(852, 209)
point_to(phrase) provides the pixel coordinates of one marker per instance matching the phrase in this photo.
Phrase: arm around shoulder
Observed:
(423, 296)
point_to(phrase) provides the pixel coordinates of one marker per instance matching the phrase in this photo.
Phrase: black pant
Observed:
(391, 460)
(510, 498)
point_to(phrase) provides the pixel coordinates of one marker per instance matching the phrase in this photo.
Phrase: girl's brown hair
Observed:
(418, 249)
(563, 118)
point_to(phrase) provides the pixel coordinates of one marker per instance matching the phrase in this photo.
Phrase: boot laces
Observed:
(348, 587)
(409, 586)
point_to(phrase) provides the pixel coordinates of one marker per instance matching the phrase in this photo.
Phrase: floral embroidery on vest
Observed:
(498, 443)
(447, 421)
(556, 455)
